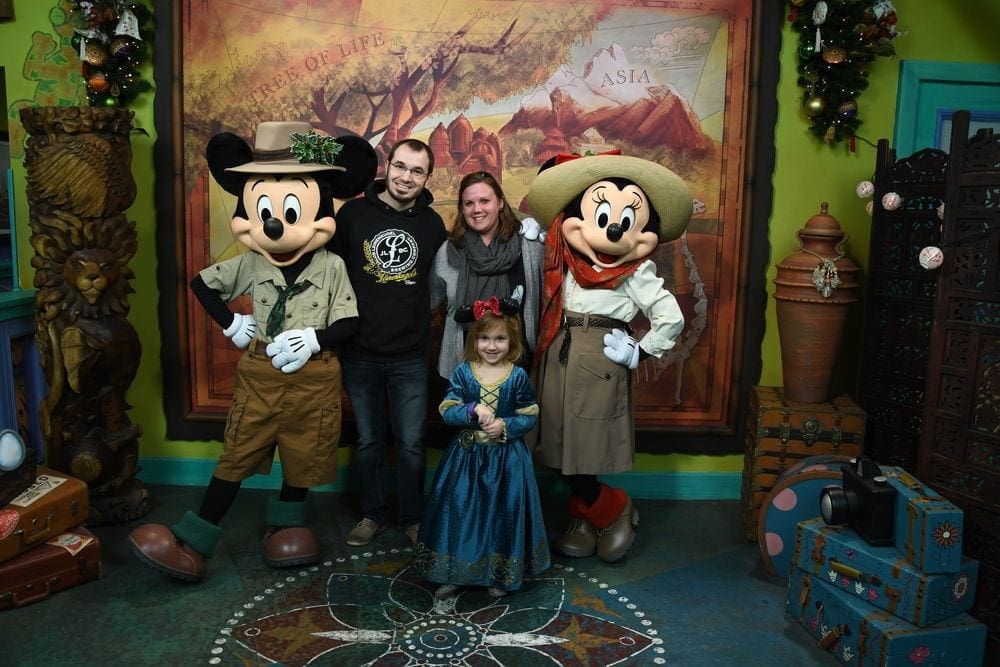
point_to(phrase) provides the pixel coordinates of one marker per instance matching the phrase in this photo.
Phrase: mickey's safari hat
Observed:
(283, 147)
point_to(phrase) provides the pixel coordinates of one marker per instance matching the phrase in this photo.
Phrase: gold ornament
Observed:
(815, 105)
(94, 54)
(835, 55)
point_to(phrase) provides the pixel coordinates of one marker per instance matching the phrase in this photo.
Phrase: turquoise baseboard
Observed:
(644, 485)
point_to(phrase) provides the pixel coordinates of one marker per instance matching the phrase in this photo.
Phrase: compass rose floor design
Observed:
(692, 591)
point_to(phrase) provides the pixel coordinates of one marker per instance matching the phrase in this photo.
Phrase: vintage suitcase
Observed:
(17, 465)
(53, 503)
(794, 498)
(780, 433)
(64, 561)
(882, 575)
(928, 527)
(858, 633)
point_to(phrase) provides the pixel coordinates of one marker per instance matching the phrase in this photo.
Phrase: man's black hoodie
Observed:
(389, 256)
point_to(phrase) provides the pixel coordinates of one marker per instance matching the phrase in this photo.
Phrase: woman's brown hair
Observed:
(509, 222)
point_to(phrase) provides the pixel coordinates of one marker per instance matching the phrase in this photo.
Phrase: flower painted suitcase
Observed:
(53, 503)
(858, 633)
(928, 527)
(781, 433)
(65, 560)
(882, 575)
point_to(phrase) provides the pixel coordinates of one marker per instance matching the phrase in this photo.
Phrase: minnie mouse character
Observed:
(287, 388)
(605, 215)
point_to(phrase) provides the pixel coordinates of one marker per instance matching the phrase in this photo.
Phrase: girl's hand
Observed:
(485, 415)
(495, 429)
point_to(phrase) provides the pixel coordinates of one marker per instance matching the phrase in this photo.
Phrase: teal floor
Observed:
(691, 592)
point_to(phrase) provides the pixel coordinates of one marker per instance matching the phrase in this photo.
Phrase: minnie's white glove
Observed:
(531, 230)
(242, 330)
(291, 349)
(621, 348)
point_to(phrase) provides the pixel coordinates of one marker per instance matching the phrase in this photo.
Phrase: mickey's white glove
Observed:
(242, 330)
(621, 348)
(291, 349)
(517, 296)
(530, 229)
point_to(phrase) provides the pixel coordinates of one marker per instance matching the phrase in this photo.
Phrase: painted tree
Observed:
(391, 74)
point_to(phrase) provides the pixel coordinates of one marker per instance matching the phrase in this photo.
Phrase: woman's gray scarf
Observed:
(482, 270)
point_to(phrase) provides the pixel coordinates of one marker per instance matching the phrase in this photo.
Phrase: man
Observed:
(388, 239)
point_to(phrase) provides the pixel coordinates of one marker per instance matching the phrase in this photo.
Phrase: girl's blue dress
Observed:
(482, 525)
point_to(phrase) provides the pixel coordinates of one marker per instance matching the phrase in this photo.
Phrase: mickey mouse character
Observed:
(605, 215)
(288, 385)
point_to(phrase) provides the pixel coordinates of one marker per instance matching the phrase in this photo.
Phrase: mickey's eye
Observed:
(264, 208)
(292, 208)
(627, 219)
(603, 214)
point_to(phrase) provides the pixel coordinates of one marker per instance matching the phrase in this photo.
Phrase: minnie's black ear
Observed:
(464, 315)
(359, 159)
(227, 150)
(551, 162)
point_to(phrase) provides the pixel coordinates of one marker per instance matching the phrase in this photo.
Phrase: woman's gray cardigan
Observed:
(445, 281)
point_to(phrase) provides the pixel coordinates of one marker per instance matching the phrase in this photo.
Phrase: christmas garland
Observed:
(837, 40)
(113, 39)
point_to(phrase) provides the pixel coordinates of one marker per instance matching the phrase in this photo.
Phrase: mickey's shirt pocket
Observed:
(601, 389)
(313, 312)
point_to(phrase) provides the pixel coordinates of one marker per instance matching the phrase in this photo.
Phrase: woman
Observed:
(485, 256)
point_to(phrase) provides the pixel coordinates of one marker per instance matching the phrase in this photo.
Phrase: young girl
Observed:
(482, 523)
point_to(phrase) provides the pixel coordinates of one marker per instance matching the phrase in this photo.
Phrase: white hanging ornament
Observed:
(819, 17)
(940, 211)
(891, 201)
(930, 257)
(865, 189)
(128, 24)
(870, 207)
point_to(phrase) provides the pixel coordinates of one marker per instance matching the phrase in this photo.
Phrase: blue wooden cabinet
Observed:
(22, 384)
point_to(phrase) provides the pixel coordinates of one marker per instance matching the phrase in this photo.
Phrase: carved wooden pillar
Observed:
(78, 162)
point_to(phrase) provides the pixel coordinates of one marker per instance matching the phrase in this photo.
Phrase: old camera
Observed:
(866, 502)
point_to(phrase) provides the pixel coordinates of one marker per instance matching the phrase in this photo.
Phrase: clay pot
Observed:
(814, 289)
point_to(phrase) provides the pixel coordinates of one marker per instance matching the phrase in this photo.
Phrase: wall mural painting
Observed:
(500, 87)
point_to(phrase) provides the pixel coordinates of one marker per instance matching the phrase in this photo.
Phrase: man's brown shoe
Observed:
(614, 541)
(579, 540)
(287, 547)
(157, 546)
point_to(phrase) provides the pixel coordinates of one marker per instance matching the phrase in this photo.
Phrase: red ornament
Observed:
(98, 82)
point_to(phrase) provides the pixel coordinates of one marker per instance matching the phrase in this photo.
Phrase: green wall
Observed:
(806, 173)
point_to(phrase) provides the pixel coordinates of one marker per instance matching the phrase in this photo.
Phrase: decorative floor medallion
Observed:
(370, 609)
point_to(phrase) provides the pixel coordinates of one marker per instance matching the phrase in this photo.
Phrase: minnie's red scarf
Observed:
(559, 257)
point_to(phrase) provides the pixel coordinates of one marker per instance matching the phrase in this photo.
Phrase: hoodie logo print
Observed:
(391, 256)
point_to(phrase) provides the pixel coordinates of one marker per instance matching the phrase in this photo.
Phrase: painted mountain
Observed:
(615, 99)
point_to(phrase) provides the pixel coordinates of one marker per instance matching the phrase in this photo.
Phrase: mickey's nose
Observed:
(274, 228)
(614, 232)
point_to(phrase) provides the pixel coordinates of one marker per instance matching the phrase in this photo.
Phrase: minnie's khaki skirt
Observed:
(587, 415)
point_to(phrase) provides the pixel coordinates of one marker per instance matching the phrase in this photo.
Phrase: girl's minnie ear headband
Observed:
(467, 314)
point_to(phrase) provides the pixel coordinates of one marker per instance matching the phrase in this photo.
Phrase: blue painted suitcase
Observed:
(882, 575)
(929, 531)
(858, 633)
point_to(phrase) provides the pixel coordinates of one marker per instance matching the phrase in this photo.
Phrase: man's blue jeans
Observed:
(368, 384)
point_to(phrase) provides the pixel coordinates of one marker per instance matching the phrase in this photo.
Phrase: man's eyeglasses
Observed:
(416, 172)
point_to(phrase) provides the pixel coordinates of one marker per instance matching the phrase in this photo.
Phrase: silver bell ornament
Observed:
(891, 201)
(930, 257)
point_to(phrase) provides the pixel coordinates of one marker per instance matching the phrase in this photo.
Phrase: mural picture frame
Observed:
(677, 64)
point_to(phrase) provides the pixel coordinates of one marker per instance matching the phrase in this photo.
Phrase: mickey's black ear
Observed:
(359, 159)
(227, 150)
(464, 315)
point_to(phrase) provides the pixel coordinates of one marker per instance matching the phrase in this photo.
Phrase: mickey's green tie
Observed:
(276, 320)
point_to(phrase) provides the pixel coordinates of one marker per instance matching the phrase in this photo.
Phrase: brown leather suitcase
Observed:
(780, 433)
(53, 503)
(65, 560)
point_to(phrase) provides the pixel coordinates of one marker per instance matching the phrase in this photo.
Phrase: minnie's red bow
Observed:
(479, 308)
(566, 157)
